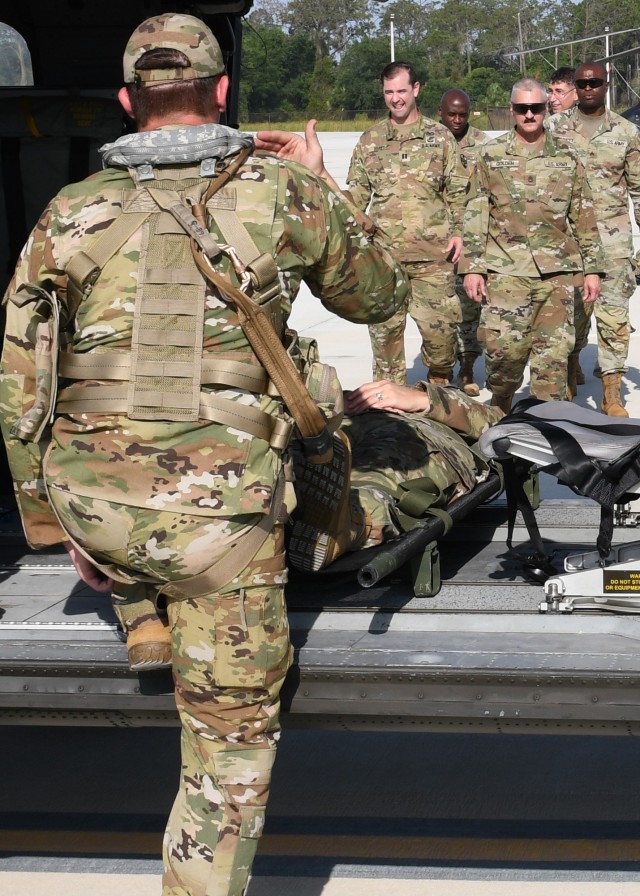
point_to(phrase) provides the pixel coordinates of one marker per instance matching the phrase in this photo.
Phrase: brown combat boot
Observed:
(149, 646)
(440, 376)
(502, 401)
(329, 520)
(611, 401)
(575, 376)
(465, 376)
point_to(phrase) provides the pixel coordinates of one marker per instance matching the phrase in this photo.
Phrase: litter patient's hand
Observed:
(385, 396)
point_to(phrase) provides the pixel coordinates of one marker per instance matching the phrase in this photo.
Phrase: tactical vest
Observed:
(163, 375)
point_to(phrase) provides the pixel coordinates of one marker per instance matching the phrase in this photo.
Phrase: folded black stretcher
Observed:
(594, 455)
(419, 546)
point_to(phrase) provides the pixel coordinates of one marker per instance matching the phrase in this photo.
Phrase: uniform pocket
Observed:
(251, 637)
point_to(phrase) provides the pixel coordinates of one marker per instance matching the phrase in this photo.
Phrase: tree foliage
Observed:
(276, 70)
(331, 24)
(327, 55)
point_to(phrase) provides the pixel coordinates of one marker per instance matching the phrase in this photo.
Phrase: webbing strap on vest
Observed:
(84, 269)
(79, 398)
(237, 557)
(85, 266)
(606, 483)
(115, 365)
(314, 434)
(315, 437)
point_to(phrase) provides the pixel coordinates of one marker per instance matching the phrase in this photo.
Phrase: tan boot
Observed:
(149, 646)
(440, 376)
(611, 401)
(502, 401)
(465, 376)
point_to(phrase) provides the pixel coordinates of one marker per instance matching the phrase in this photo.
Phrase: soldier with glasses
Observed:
(562, 90)
(609, 147)
(529, 228)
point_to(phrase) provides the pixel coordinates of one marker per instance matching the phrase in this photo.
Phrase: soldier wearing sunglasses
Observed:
(529, 230)
(609, 147)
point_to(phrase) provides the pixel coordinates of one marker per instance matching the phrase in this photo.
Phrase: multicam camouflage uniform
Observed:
(411, 180)
(390, 450)
(611, 157)
(159, 500)
(524, 208)
(468, 343)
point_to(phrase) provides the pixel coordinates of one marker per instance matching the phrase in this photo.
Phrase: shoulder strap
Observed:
(85, 266)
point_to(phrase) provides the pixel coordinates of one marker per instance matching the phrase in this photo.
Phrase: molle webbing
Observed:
(79, 398)
(116, 365)
(166, 369)
(168, 325)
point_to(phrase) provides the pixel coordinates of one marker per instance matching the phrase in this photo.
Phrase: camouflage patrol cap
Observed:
(177, 32)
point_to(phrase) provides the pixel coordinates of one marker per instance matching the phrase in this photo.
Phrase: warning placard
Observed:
(620, 581)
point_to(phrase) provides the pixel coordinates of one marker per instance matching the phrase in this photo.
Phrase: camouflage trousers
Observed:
(230, 654)
(467, 341)
(528, 319)
(435, 307)
(611, 311)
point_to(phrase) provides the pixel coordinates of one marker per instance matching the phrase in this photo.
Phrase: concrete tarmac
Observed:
(23, 884)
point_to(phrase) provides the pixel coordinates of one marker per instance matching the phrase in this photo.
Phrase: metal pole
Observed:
(523, 69)
(607, 65)
(393, 41)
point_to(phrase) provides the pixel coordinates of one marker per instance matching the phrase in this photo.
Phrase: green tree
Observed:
(276, 69)
(332, 25)
(410, 21)
(487, 87)
(321, 88)
(358, 85)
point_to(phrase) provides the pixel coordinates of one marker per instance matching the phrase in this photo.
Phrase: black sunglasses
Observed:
(523, 108)
(581, 83)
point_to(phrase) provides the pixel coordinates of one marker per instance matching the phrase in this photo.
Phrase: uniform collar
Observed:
(515, 147)
(406, 132)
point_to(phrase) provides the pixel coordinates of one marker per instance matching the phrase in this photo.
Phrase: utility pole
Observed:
(523, 67)
(393, 37)
(607, 53)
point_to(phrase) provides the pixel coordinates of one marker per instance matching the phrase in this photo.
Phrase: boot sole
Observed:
(325, 515)
(149, 656)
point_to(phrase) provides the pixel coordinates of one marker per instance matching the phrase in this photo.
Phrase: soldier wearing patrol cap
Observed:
(142, 430)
